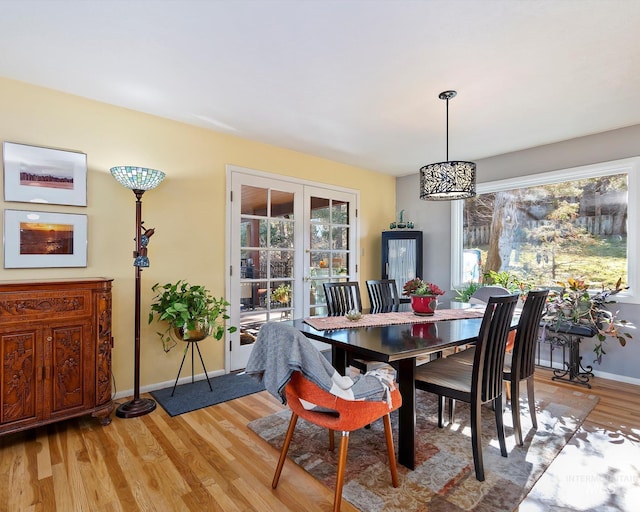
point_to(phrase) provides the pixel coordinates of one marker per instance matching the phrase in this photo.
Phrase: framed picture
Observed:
(41, 175)
(41, 239)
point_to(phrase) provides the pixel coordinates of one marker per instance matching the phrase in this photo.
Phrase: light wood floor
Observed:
(202, 461)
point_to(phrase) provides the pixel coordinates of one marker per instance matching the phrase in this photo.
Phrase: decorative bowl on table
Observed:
(353, 315)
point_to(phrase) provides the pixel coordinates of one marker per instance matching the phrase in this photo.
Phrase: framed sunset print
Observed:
(42, 239)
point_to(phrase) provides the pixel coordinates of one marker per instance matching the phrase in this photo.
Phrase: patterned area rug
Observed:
(444, 478)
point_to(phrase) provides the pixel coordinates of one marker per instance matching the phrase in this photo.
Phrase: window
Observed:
(548, 227)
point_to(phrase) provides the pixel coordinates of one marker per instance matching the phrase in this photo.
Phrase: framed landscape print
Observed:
(41, 239)
(41, 175)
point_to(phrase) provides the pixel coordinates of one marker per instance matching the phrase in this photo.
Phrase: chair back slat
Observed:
(342, 297)
(523, 359)
(383, 295)
(489, 353)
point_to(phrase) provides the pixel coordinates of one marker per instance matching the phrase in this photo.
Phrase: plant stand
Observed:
(190, 344)
(569, 337)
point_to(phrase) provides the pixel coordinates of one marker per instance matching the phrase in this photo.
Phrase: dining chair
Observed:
(383, 295)
(519, 365)
(482, 294)
(342, 297)
(478, 383)
(344, 416)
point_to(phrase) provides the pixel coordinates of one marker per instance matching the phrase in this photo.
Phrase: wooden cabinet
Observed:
(401, 256)
(55, 345)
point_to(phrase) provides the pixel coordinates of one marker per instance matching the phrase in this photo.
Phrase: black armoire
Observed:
(401, 256)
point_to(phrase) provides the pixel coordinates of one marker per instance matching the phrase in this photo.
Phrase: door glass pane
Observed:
(319, 209)
(253, 232)
(340, 238)
(319, 236)
(339, 264)
(254, 201)
(281, 204)
(281, 234)
(339, 212)
(281, 264)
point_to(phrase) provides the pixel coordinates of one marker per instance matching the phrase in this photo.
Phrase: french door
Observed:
(286, 238)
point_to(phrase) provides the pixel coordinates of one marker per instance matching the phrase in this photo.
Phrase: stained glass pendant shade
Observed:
(137, 178)
(445, 181)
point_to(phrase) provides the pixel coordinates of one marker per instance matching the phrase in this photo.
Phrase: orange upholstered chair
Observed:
(346, 416)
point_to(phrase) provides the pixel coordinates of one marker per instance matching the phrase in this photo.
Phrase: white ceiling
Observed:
(356, 81)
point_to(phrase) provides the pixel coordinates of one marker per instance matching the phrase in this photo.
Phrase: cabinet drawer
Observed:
(43, 305)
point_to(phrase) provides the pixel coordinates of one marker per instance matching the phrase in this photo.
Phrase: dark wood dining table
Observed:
(399, 345)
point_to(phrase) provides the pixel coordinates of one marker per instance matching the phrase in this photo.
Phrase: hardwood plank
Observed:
(43, 456)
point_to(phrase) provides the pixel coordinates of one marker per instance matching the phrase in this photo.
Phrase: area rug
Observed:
(191, 396)
(444, 478)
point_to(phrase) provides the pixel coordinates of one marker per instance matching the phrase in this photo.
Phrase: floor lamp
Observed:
(138, 179)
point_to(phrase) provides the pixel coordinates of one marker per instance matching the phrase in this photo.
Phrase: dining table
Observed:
(400, 345)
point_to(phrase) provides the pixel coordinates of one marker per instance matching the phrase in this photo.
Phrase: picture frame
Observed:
(44, 240)
(34, 174)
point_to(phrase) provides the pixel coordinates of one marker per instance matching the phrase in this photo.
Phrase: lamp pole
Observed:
(138, 179)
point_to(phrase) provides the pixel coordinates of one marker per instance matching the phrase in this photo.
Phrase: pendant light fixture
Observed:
(448, 180)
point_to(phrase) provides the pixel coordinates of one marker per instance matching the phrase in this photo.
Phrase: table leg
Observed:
(339, 359)
(407, 412)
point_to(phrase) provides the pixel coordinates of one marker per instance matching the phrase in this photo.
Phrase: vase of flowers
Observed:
(424, 296)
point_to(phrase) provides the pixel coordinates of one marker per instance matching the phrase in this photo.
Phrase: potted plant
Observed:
(573, 306)
(281, 294)
(424, 296)
(190, 311)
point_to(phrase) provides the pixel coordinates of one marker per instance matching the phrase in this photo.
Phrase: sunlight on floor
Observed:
(581, 478)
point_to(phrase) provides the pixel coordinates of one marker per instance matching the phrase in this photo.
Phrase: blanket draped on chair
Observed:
(280, 350)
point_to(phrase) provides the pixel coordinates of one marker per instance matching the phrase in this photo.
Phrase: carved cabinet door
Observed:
(21, 374)
(70, 364)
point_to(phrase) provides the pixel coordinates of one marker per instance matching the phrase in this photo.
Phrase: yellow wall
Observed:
(187, 209)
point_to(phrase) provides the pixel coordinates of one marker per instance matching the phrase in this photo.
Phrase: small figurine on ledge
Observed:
(401, 224)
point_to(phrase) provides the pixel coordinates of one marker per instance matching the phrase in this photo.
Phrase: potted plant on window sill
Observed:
(190, 312)
(573, 310)
(424, 296)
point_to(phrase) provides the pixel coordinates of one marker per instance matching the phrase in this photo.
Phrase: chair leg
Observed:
(532, 401)
(342, 462)
(515, 412)
(332, 443)
(390, 451)
(476, 440)
(285, 449)
(500, 424)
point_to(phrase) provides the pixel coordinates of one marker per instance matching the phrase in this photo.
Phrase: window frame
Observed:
(629, 166)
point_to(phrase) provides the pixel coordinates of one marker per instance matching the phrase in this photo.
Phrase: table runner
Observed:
(328, 323)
